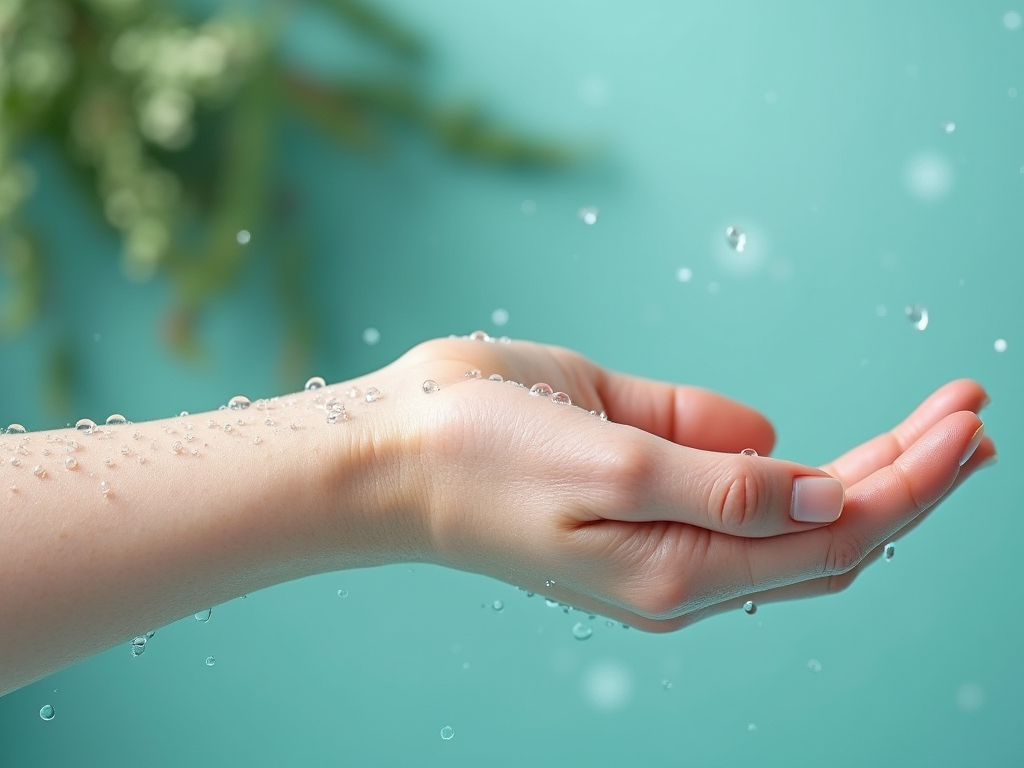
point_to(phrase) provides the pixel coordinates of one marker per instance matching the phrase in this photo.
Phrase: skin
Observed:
(652, 518)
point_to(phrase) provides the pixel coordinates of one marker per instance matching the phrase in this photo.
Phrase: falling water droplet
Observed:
(750, 607)
(71, 462)
(175, 447)
(581, 631)
(474, 374)
(85, 425)
(342, 593)
(666, 684)
(116, 419)
(243, 237)
(495, 377)
(204, 615)
(918, 316)
(949, 126)
(372, 394)
(1000, 345)
(814, 665)
(748, 452)
(430, 386)
(210, 661)
(104, 487)
(751, 727)
(560, 398)
(316, 382)
(15, 429)
(736, 238)
(498, 605)
(541, 390)
(588, 215)
(684, 275)
(371, 336)
(47, 712)
(447, 733)
(239, 403)
(889, 551)
(499, 316)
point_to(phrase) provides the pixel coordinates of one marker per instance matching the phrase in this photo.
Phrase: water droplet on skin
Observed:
(104, 487)
(918, 317)
(211, 423)
(750, 607)
(210, 661)
(38, 471)
(736, 238)
(588, 215)
(140, 458)
(1000, 345)
(137, 435)
(256, 440)
(495, 377)
(268, 421)
(889, 551)
(372, 394)
(228, 427)
(47, 712)
(85, 425)
(814, 665)
(316, 382)
(116, 419)
(447, 733)
(194, 451)
(139, 645)
(189, 437)
(604, 416)
(549, 583)
(479, 336)
(46, 451)
(15, 461)
(342, 593)
(498, 605)
(243, 237)
(666, 684)
(204, 615)
(560, 398)
(541, 390)
(748, 452)
(474, 374)
(505, 340)
(352, 393)
(239, 403)
(71, 462)
(70, 446)
(581, 631)
(14, 429)
(125, 450)
(430, 386)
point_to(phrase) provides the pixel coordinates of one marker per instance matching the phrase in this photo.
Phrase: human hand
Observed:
(654, 517)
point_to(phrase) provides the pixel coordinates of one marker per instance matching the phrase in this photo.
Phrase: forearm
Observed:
(140, 524)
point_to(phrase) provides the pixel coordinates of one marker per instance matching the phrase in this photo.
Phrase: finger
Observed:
(878, 506)
(880, 451)
(685, 415)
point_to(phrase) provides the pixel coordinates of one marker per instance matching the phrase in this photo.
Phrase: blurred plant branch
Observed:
(171, 124)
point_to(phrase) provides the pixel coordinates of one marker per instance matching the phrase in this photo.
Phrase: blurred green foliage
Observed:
(171, 123)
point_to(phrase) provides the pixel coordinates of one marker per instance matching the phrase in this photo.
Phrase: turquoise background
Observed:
(815, 126)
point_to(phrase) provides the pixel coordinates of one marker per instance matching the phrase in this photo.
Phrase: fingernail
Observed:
(816, 499)
(973, 445)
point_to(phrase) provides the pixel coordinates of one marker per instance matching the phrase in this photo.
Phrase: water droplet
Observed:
(474, 374)
(38, 471)
(604, 416)
(814, 665)
(684, 275)
(194, 451)
(210, 423)
(1012, 20)
(189, 437)
(541, 390)
(550, 603)
(549, 583)
(176, 447)
(243, 237)
(239, 403)
(70, 462)
(140, 458)
(504, 340)
(1000, 345)
(342, 593)
(495, 377)
(204, 615)
(372, 394)
(751, 727)
(116, 419)
(499, 317)
(14, 429)
(560, 398)
(125, 450)
(47, 712)
(71, 446)
(447, 732)
(256, 440)
(750, 607)
(46, 451)
(588, 215)
(15, 461)
(581, 631)
(918, 316)
(479, 336)
(268, 421)
(228, 427)
(210, 661)
(949, 126)
(85, 425)
(430, 386)
(666, 684)
(316, 382)
(149, 635)
(371, 336)
(889, 551)
(736, 238)
(104, 487)
(334, 415)
(139, 645)
(748, 452)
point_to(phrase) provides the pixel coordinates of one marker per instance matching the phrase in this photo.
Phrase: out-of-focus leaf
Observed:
(335, 113)
(21, 262)
(61, 370)
(377, 26)
(300, 321)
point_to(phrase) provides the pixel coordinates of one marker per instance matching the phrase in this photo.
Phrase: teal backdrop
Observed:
(873, 154)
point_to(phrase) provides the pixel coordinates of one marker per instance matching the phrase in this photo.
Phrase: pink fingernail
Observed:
(817, 499)
(973, 445)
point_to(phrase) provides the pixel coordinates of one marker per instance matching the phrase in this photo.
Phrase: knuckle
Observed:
(628, 474)
(734, 500)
